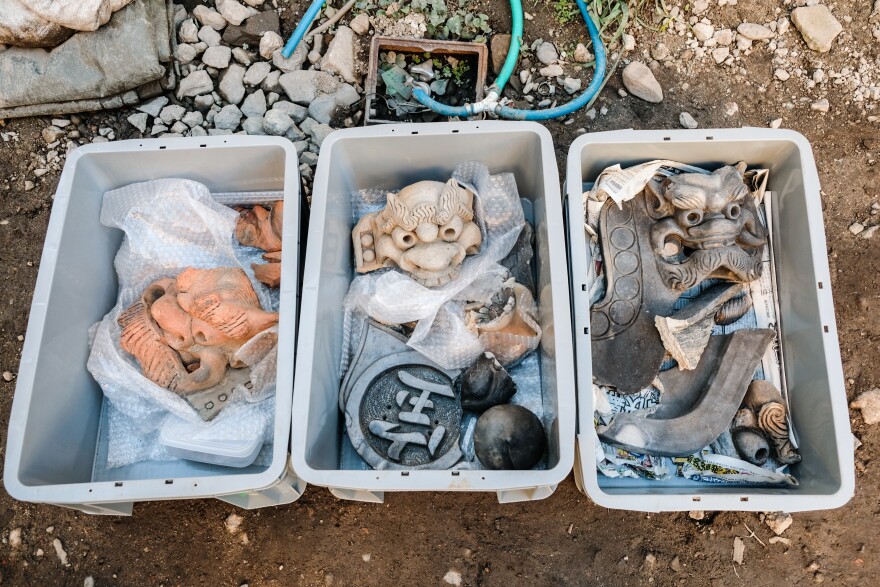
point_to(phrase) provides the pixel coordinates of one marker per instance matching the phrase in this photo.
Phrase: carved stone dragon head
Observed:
(707, 226)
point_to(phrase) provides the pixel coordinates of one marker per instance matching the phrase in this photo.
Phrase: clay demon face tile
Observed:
(707, 226)
(426, 230)
(184, 332)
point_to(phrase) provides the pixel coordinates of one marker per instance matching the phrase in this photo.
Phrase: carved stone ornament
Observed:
(485, 384)
(401, 410)
(771, 418)
(509, 437)
(185, 332)
(667, 239)
(426, 229)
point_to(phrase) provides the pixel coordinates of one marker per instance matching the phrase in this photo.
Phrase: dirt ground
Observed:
(418, 539)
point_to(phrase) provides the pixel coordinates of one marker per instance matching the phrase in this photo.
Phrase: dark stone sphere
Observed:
(485, 384)
(509, 437)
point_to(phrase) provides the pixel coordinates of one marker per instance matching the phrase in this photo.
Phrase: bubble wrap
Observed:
(392, 297)
(169, 225)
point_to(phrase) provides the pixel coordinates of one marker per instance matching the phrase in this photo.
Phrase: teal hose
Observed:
(517, 114)
(302, 28)
(515, 44)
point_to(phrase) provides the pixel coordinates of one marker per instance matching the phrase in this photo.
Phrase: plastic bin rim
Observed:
(143, 489)
(374, 480)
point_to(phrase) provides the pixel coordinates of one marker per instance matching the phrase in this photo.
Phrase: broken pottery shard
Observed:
(627, 349)
(686, 332)
(269, 273)
(506, 323)
(509, 437)
(401, 410)
(733, 309)
(485, 384)
(767, 404)
(261, 228)
(749, 442)
(732, 367)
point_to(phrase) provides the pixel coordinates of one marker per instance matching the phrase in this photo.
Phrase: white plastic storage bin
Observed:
(809, 335)
(56, 448)
(393, 156)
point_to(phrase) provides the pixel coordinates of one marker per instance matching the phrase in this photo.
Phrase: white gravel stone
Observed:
(253, 125)
(720, 54)
(360, 24)
(59, 550)
(869, 404)
(821, 105)
(210, 17)
(779, 522)
(743, 43)
(755, 32)
(188, 32)
(551, 71)
(195, 84)
(687, 121)
(193, 119)
(228, 118)
(294, 63)
(547, 53)
(731, 109)
(269, 43)
(703, 31)
(817, 25)
(172, 113)
(582, 54)
(203, 102)
(776, 123)
(339, 58)
(254, 104)
(724, 37)
(856, 227)
(303, 86)
(629, 42)
(52, 133)
(233, 12)
(231, 85)
(781, 74)
(198, 132)
(217, 57)
(139, 121)
(185, 53)
(209, 36)
(571, 84)
(15, 537)
(276, 123)
(640, 82)
(242, 56)
(154, 106)
(256, 73)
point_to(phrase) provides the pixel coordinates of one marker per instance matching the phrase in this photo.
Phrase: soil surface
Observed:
(469, 539)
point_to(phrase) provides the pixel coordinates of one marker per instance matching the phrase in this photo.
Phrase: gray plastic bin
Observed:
(392, 156)
(56, 447)
(809, 335)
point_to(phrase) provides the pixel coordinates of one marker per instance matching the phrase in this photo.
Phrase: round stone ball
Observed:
(509, 437)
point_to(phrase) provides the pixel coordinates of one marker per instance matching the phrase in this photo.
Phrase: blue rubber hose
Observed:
(518, 114)
(302, 28)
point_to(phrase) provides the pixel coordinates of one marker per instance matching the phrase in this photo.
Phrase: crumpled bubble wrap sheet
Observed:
(169, 225)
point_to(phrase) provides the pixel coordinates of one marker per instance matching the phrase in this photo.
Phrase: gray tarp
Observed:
(93, 70)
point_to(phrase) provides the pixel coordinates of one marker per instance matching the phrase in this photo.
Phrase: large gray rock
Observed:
(320, 132)
(253, 125)
(817, 25)
(172, 113)
(323, 108)
(640, 82)
(208, 36)
(185, 53)
(304, 86)
(231, 86)
(139, 121)
(188, 32)
(254, 104)
(270, 84)
(228, 118)
(339, 58)
(195, 84)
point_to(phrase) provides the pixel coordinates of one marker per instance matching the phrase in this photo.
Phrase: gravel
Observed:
(228, 118)
(217, 57)
(640, 82)
(231, 85)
